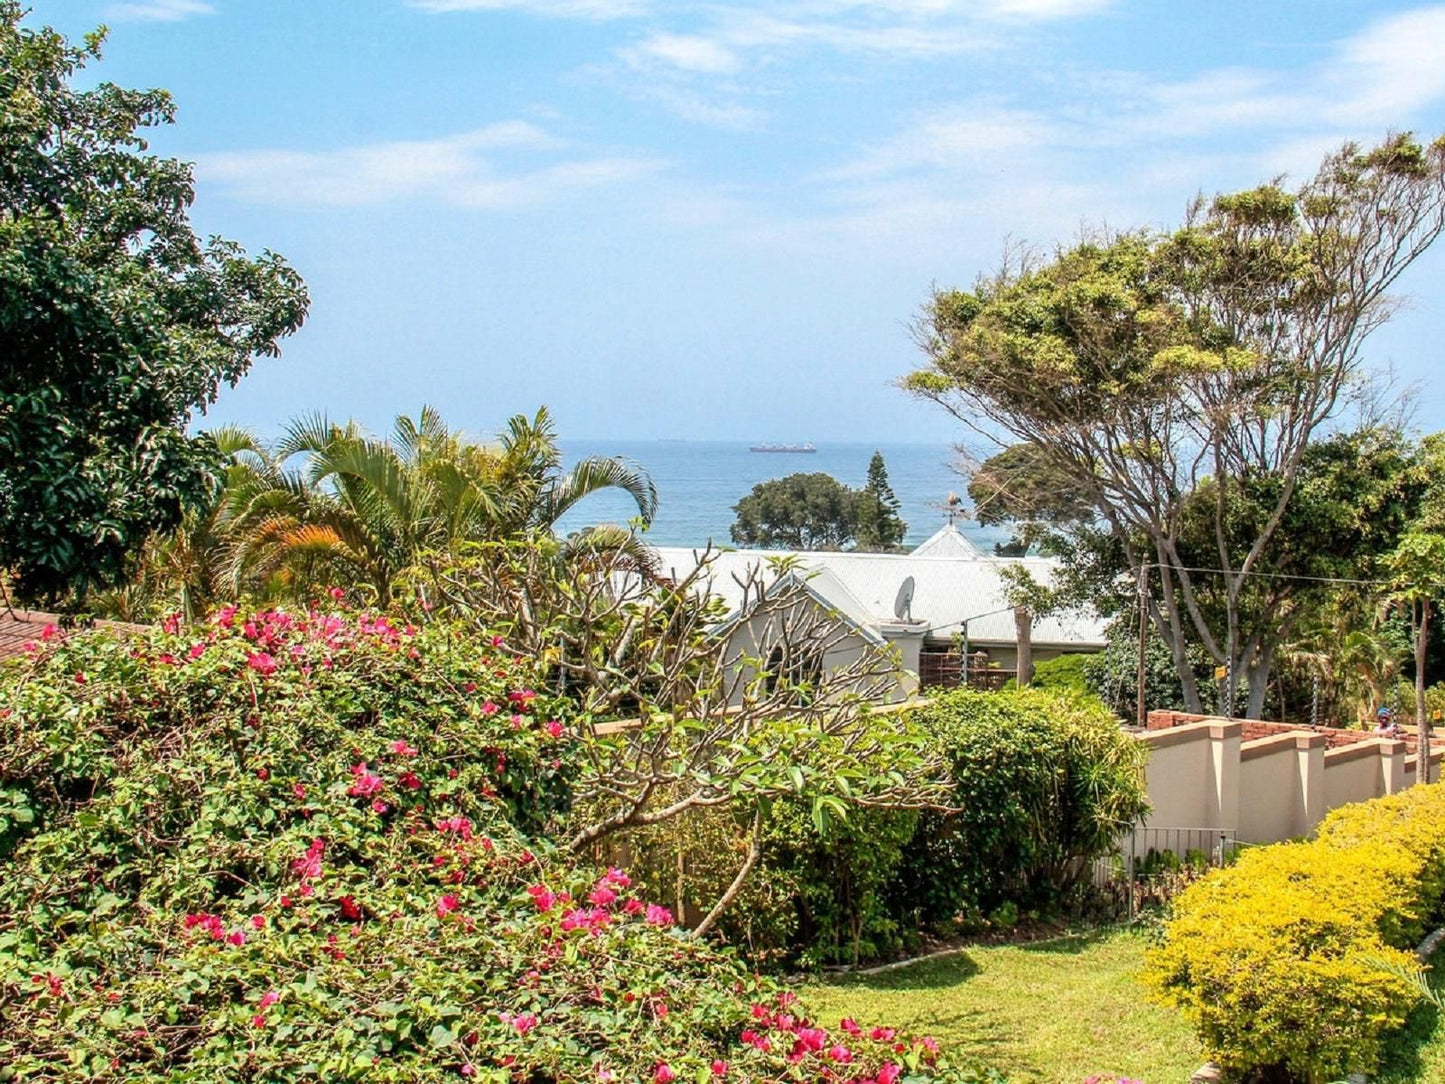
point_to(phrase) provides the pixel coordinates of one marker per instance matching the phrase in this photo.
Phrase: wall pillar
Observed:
(1310, 779)
(1224, 738)
(1392, 766)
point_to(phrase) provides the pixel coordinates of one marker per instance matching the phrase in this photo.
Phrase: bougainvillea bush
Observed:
(290, 847)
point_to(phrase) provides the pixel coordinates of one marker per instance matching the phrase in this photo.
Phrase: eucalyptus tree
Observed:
(1145, 369)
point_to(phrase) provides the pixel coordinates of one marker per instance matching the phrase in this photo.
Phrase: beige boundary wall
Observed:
(1202, 775)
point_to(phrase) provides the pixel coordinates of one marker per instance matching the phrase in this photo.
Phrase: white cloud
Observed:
(1046, 10)
(1398, 64)
(689, 52)
(461, 170)
(1116, 147)
(158, 11)
(561, 9)
(968, 137)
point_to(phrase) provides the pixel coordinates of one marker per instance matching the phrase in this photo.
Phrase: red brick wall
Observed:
(1253, 729)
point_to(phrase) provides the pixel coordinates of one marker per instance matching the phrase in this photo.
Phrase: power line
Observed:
(1269, 575)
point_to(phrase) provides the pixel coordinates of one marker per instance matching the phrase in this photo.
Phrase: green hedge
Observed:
(1293, 957)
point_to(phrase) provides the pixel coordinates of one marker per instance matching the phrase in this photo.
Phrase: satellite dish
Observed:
(903, 603)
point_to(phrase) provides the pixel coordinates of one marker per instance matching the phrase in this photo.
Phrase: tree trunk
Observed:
(1259, 674)
(1023, 628)
(1422, 717)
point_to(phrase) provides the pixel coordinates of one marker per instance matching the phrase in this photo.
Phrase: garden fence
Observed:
(1151, 864)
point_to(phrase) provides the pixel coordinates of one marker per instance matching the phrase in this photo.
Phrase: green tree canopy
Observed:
(799, 512)
(878, 525)
(1143, 367)
(1020, 486)
(118, 321)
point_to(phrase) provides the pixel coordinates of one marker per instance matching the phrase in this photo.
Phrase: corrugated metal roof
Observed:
(947, 541)
(864, 587)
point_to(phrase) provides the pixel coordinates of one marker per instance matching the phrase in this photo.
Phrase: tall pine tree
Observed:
(879, 527)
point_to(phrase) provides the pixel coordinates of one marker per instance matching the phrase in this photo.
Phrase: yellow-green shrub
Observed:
(1288, 957)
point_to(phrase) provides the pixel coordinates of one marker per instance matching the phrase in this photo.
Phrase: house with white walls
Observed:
(927, 607)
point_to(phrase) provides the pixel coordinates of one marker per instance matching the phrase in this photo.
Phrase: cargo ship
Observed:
(808, 446)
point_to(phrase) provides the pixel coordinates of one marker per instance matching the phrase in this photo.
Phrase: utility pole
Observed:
(1142, 715)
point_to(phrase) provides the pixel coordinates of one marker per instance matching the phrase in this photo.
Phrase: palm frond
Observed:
(594, 474)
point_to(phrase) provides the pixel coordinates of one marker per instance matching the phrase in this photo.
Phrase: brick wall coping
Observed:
(1275, 743)
(1178, 735)
(1343, 754)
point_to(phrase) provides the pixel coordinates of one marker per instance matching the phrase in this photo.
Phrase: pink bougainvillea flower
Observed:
(258, 922)
(238, 938)
(929, 1043)
(632, 906)
(402, 748)
(840, 1053)
(269, 998)
(410, 780)
(461, 826)
(524, 1022)
(378, 806)
(602, 896)
(850, 1025)
(308, 866)
(350, 909)
(658, 916)
(555, 729)
(446, 905)
(172, 624)
(489, 708)
(258, 1021)
(663, 1074)
(300, 791)
(79, 678)
(812, 1038)
(888, 1073)
(196, 651)
(719, 1067)
(615, 876)
(541, 897)
(365, 782)
(881, 1035)
(262, 663)
(337, 594)
(226, 616)
(49, 632)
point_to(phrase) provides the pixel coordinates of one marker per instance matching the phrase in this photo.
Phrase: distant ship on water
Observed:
(807, 446)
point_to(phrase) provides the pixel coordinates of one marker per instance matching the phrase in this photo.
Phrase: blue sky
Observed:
(716, 220)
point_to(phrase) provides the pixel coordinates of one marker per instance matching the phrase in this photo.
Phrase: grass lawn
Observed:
(1054, 1011)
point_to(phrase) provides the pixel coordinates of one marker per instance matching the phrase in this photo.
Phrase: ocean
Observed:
(698, 482)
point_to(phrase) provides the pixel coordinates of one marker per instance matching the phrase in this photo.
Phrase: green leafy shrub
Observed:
(818, 896)
(1063, 674)
(1292, 957)
(1044, 783)
(316, 848)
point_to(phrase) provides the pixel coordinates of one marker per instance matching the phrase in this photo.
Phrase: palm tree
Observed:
(361, 511)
